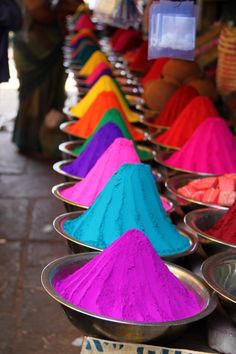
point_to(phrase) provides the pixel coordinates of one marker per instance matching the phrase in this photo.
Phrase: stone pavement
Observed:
(30, 321)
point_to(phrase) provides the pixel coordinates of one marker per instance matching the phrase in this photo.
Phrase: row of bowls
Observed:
(219, 272)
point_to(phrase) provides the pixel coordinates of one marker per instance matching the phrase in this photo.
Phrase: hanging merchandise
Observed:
(172, 30)
(118, 13)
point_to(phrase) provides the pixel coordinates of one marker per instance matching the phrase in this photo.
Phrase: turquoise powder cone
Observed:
(129, 200)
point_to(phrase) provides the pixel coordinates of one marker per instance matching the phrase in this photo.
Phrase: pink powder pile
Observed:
(119, 283)
(211, 149)
(85, 192)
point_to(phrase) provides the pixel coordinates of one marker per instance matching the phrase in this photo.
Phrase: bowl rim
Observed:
(162, 155)
(57, 167)
(57, 188)
(207, 272)
(210, 303)
(63, 127)
(189, 220)
(170, 185)
(63, 147)
(57, 225)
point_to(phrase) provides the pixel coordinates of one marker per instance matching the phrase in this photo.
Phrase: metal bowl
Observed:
(78, 246)
(219, 272)
(119, 330)
(67, 147)
(201, 220)
(161, 156)
(178, 181)
(57, 167)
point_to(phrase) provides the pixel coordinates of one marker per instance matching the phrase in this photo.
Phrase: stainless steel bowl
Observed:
(162, 156)
(78, 246)
(69, 204)
(92, 324)
(176, 182)
(219, 272)
(67, 147)
(200, 221)
(57, 167)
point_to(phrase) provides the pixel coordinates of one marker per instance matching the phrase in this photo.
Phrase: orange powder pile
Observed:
(87, 124)
(197, 111)
(175, 105)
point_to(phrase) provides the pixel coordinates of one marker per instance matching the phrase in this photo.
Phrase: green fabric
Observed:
(113, 115)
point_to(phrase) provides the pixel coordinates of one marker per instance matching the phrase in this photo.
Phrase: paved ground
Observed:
(30, 321)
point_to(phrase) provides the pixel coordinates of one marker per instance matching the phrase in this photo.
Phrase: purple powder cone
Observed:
(97, 146)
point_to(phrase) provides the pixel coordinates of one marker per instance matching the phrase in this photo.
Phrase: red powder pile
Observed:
(138, 58)
(87, 124)
(175, 105)
(156, 70)
(225, 228)
(197, 111)
(126, 40)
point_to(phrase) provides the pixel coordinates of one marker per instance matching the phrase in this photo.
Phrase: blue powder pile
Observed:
(129, 200)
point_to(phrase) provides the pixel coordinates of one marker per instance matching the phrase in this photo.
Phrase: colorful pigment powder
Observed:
(175, 105)
(84, 21)
(129, 200)
(128, 39)
(95, 59)
(85, 192)
(84, 54)
(97, 73)
(156, 70)
(197, 111)
(92, 152)
(104, 84)
(211, 149)
(129, 281)
(225, 228)
(88, 123)
(114, 116)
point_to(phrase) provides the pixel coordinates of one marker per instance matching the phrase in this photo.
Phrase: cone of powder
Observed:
(96, 58)
(106, 71)
(81, 34)
(84, 21)
(120, 283)
(129, 200)
(85, 192)
(84, 43)
(97, 72)
(139, 60)
(198, 110)
(225, 228)
(80, 10)
(155, 71)
(85, 53)
(88, 123)
(175, 105)
(104, 84)
(211, 149)
(101, 140)
(113, 115)
(127, 40)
